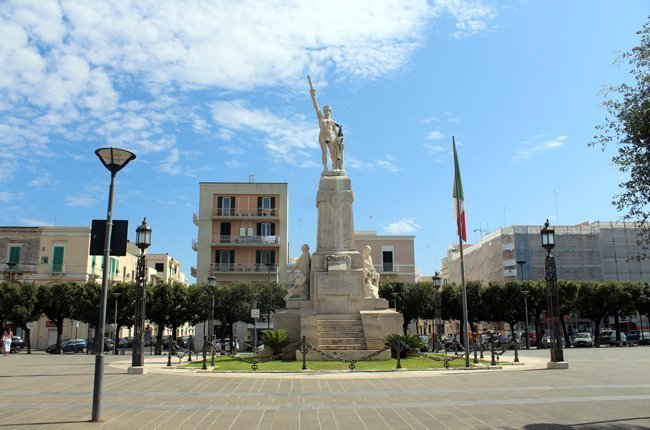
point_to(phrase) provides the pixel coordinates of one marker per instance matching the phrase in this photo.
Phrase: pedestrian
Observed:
(6, 340)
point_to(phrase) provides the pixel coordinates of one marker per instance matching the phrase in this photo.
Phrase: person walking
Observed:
(6, 340)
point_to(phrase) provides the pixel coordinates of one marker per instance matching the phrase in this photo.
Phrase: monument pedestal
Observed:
(337, 316)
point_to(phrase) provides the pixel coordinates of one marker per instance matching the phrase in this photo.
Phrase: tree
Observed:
(20, 302)
(628, 124)
(269, 297)
(57, 302)
(592, 303)
(233, 303)
(567, 291)
(160, 298)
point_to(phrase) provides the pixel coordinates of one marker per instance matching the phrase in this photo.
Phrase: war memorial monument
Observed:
(333, 297)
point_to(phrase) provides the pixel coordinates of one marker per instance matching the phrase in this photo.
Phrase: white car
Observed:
(583, 339)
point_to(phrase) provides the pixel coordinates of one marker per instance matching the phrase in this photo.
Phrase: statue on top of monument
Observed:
(370, 275)
(330, 136)
(299, 278)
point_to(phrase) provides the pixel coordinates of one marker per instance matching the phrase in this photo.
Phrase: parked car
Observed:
(644, 338)
(608, 337)
(546, 341)
(583, 339)
(68, 345)
(16, 344)
(426, 341)
(126, 342)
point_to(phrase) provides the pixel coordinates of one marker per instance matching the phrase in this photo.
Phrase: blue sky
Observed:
(217, 91)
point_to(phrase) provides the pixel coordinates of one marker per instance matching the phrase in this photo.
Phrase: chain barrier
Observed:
(446, 359)
(254, 361)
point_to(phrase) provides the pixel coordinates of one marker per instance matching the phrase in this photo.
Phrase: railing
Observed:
(242, 267)
(235, 212)
(244, 240)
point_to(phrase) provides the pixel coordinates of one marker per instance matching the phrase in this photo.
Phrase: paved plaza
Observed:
(606, 388)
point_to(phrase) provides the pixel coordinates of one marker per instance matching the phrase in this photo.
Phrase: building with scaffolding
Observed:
(599, 251)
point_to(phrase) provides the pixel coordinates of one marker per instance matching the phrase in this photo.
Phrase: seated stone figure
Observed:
(299, 277)
(370, 275)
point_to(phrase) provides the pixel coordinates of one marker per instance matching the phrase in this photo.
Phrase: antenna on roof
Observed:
(251, 178)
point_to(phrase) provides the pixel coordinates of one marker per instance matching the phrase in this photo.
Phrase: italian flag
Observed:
(459, 204)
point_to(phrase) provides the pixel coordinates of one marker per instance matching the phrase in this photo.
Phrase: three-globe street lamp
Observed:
(548, 243)
(117, 296)
(114, 159)
(438, 319)
(142, 241)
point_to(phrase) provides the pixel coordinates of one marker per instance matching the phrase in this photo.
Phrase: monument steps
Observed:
(340, 332)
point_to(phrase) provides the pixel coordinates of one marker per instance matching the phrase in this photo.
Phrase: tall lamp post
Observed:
(142, 241)
(557, 354)
(114, 159)
(438, 322)
(521, 263)
(117, 296)
(212, 282)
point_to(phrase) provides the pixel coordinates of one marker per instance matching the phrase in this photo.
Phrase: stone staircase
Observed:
(340, 332)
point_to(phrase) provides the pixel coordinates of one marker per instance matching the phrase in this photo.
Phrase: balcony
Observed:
(193, 271)
(244, 213)
(195, 219)
(245, 240)
(195, 245)
(243, 268)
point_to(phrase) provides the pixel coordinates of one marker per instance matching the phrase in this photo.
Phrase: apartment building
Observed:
(166, 268)
(598, 250)
(242, 232)
(392, 255)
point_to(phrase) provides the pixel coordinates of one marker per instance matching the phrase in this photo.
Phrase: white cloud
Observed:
(225, 134)
(30, 222)
(233, 163)
(5, 196)
(170, 165)
(80, 200)
(435, 149)
(386, 164)
(403, 226)
(472, 16)
(435, 135)
(535, 146)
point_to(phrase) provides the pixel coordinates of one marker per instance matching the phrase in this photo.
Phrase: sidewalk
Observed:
(42, 391)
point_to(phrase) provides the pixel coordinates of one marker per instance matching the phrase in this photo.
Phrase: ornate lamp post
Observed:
(548, 243)
(212, 282)
(114, 160)
(142, 241)
(438, 319)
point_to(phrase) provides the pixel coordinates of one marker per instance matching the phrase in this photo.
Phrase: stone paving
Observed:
(605, 388)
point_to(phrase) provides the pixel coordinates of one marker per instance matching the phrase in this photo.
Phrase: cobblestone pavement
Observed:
(605, 388)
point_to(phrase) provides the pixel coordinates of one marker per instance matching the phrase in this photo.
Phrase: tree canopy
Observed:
(627, 124)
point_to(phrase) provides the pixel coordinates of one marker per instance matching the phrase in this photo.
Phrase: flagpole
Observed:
(462, 262)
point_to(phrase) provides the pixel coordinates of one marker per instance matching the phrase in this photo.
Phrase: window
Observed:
(226, 206)
(57, 259)
(14, 254)
(160, 267)
(387, 260)
(266, 206)
(225, 260)
(265, 257)
(265, 229)
(224, 232)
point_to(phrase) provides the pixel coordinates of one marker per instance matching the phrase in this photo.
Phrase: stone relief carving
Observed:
(338, 262)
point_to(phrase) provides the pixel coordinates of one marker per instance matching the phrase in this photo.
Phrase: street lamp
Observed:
(114, 159)
(394, 294)
(525, 293)
(11, 265)
(548, 243)
(438, 319)
(142, 241)
(521, 263)
(117, 296)
(212, 282)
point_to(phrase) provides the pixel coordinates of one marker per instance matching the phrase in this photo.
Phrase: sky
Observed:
(217, 91)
